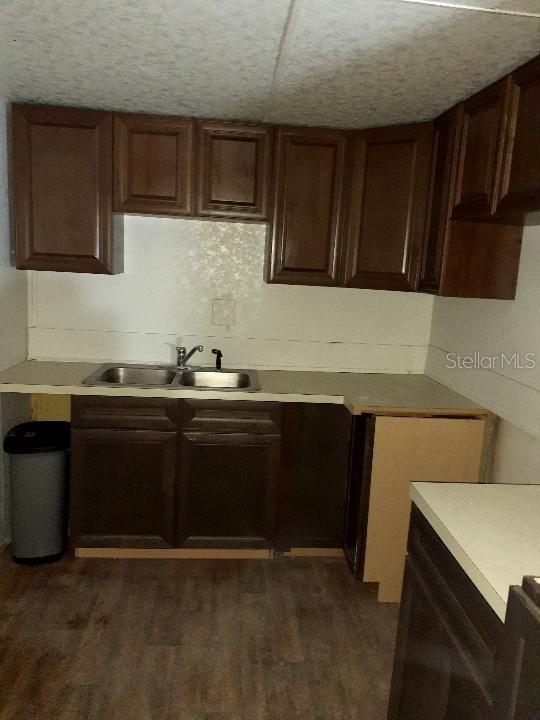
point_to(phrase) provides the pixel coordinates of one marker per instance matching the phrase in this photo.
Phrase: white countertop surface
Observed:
(359, 392)
(493, 531)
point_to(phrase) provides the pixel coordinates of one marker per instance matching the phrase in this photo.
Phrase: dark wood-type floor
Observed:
(192, 640)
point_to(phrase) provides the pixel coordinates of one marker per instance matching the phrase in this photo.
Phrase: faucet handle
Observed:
(218, 355)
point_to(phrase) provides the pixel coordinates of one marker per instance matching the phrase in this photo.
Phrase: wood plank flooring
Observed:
(286, 639)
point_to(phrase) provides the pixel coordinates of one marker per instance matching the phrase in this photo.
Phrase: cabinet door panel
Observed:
(123, 488)
(440, 199)
(153, 164)
(234, 166)
(519, 193)
(481, 152)
(421, 677)
(62, 190)
(228, 489)
(305, 243)
(388, 205)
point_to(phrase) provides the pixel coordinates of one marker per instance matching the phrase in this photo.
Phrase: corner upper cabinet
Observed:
(388, 205)
(519, 192)
(62, 165)
(305, 240)
(234, 164)
(463, 259)
(153, 164)
(480, 156)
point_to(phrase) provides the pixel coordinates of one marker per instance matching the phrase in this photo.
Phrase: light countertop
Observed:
(493, 531)
(359, 392)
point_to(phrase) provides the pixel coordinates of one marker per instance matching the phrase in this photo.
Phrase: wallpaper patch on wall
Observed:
(190, 282)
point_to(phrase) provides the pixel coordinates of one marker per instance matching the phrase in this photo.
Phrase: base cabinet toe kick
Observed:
(455, 659)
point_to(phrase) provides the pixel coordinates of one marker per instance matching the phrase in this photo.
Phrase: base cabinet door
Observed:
(228, 489)
(432, 679)
(123, 488)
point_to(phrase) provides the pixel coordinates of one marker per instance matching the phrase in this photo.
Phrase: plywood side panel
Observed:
(51, 407)
(412, 450)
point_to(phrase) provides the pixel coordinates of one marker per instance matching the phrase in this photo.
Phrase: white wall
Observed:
(13, 326)
(491, 327)
(184, 278)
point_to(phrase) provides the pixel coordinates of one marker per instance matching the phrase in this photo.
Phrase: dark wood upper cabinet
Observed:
(305, 240)
(480, 156)
(153, 164)
(518, 197)
(234, 164)
(388, 205)
(62, 160)
(463, 259)
(443, 176)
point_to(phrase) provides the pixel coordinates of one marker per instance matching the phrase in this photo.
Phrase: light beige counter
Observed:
(359, 392)
(491, 530)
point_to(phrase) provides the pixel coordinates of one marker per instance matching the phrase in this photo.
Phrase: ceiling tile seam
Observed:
(288, 32)
(473, 8)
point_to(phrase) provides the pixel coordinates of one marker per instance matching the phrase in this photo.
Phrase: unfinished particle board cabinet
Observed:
(393, 452)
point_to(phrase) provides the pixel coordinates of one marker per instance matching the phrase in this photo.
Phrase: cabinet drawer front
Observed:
(123, 412)
(260, 418)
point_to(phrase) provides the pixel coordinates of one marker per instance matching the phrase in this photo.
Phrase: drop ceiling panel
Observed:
(376, 62)
(203, 57)
(343, 62)
(525, 6)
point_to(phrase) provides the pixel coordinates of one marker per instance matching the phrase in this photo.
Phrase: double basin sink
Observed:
(150, 376)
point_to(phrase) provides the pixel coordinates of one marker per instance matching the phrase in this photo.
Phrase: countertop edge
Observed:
(486, 589)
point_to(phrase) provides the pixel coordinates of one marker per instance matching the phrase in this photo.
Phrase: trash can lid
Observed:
(38, 436)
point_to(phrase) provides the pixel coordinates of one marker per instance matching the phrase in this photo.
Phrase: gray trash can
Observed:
(38, 464)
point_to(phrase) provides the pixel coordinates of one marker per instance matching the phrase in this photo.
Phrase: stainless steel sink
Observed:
(137, 375)
(146, 376)
(222, 380)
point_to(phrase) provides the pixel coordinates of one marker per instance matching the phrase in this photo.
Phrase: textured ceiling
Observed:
(334, 62)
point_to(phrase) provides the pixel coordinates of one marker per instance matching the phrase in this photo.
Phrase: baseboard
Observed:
(314, 552)
(173, 553)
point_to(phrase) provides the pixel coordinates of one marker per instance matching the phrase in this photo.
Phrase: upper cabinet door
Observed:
(443, 175)
(62, 190)
(233, 170)
(481, 152)
(153, 164)
(519, 192)
(388, 206)
(305, 243)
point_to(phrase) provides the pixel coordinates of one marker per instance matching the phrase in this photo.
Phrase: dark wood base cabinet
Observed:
(455, 659)
(160, 473)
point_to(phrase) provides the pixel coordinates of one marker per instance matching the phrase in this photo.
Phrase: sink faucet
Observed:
(182, 356)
